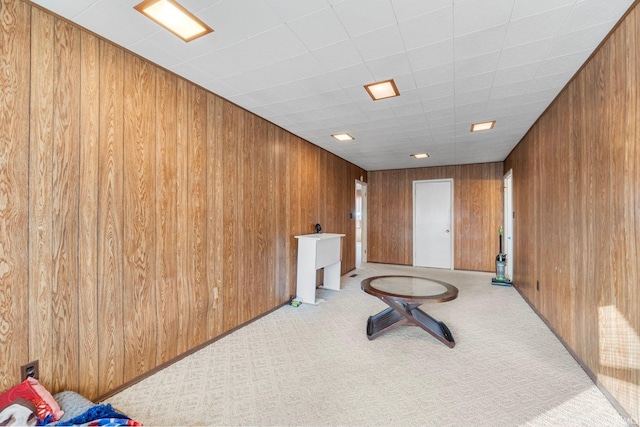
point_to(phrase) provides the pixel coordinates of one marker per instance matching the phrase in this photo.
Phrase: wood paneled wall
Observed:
(576, 181)
(140, 215)
(477, 213)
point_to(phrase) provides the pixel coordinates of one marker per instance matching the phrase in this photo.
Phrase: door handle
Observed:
(446, 231)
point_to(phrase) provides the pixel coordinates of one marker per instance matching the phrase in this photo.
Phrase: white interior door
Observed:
(508, 224)
(433, 223)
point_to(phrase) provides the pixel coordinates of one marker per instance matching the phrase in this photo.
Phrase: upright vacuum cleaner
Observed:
(501, 266)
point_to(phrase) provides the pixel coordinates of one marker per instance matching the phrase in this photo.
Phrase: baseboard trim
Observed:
(181, 356)
(584, 367)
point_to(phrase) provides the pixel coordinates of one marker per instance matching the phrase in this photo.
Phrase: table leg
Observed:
(399, 314)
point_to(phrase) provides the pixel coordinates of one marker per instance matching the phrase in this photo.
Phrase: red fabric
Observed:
(25, 390)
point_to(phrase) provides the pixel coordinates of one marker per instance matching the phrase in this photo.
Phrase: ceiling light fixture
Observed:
(420, 155)
(343, 137)
(382, 90)
(476, 127)
(175, 18)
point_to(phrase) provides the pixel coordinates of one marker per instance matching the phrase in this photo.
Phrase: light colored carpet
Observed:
(313, 365)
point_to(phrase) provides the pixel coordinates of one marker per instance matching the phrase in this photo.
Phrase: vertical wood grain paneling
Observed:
(230, 183)
(477, 213)
(110, 220)
(158, 215)
(14, 185)
(577, 171)
(64, 296)
(197, 219)
(88, 214)
(216, 231)
(40, 209)
(139, 216)
(166, 217)
(182, 214)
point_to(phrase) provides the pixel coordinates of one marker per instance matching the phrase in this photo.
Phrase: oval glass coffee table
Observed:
(403, 295)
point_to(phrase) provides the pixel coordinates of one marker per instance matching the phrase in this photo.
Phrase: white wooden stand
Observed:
(317, 251)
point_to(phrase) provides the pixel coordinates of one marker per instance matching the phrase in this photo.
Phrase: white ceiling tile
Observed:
(379, 43)
(480, 42)
(477, 65)
(66, 8)
(271, 46)
(431, 55)
(363, 16)
(409, 9)
(562, 64)
(150, 50)
(389, 66)
(591, 13)
(525, 53)
(338, 56)
(294, 9)
(507, 76)
(536, 27)
(437, 90)
(427, 29)
(436, 75)
(577, 41)
(524, 8)
(475, 15)
(474, 83)
(357, 75)
(238, 20)
(319, 29)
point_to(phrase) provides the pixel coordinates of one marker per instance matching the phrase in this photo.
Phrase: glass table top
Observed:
(410, 288)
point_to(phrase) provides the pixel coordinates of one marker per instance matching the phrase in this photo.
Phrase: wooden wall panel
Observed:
(40, 187)
(477, 213)
(88, 214)
(110, 220)
(64, 194)
(577, 210)
(139, 216)
(197, 216)
(166, 217)
(14, 185)
(158, 217)
(182, 213)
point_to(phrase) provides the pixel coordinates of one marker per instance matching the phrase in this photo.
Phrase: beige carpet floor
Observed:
(313, 365)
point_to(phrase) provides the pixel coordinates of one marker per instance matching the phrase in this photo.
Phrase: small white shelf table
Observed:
(316, 251)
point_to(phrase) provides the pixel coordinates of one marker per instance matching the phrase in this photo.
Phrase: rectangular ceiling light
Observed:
(382, 90)
(343, 137)
(420, 155)
(175, 18)
(476, 127)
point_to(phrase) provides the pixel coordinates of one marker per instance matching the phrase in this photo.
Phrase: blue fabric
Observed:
(94, 413)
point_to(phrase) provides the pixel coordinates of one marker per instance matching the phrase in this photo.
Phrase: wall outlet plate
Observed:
(31, 369)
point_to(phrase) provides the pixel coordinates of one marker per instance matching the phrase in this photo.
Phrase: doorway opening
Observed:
(361, 222)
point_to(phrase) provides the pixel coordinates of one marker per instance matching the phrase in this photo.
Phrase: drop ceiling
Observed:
(302, 65)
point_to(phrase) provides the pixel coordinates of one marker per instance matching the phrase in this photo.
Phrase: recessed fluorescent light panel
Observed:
(343, 137)
(420, 155)
(382, 90)
(477, 127)
(175, 18)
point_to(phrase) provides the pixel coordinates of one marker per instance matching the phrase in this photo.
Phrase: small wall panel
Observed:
(65, 206)
(166, 217)
(40, 184)
(110, 220)
(88, 214)
(197, 217)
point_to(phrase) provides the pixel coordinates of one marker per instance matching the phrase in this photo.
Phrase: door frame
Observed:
(363, 219)
(508, 219)
(451, 227)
